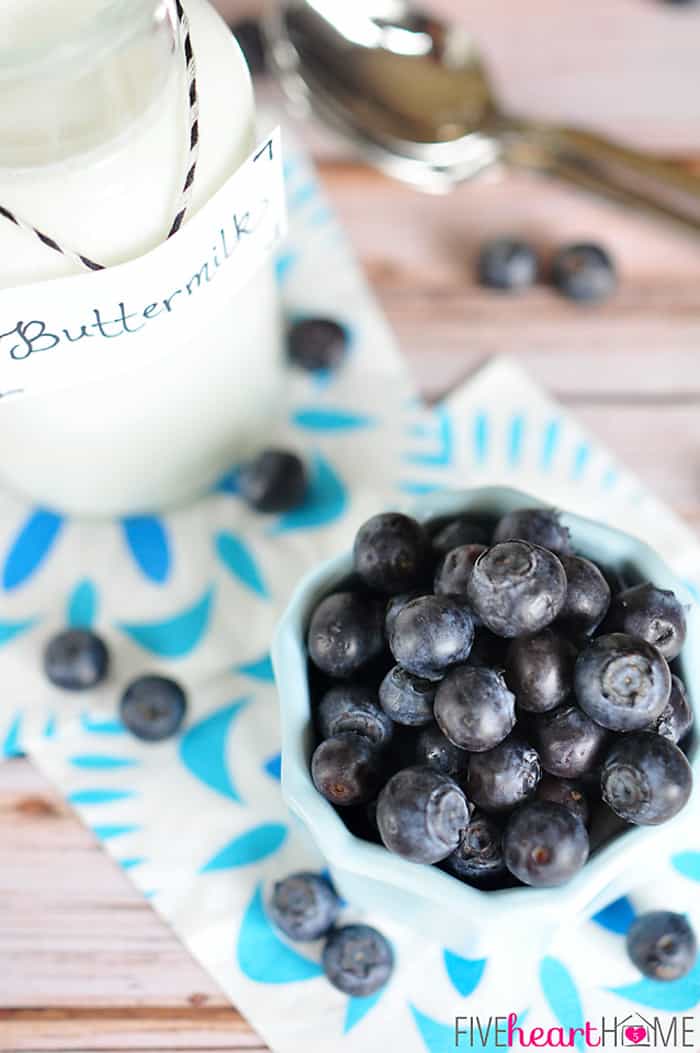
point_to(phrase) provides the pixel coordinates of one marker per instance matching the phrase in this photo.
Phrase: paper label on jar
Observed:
(68, 331)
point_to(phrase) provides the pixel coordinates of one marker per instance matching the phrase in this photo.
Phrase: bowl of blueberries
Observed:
(487, 716)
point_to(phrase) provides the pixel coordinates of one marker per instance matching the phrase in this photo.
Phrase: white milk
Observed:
(96, 161)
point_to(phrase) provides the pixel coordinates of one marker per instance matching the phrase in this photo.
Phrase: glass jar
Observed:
(93, 139)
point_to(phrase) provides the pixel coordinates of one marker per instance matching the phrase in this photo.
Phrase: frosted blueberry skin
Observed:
(353, 708)
(662, 945)
(346, 769)
(153, 708)
(458, 532)
(508, 264)
(303, 906)
(395, 604)
(569, 743)
(517, 589)
(434, 751)
(587, 597)
(407, 699)
(503, 777)
(539, 526)
(76, 660)
(584, 272)
(345, 633)
(275, 481)
(455, 570)
(622, 682)
(646, 779)
(474, 708)
(655, 615)
(540, 670)
(390, 553)
(676, 718)
(544, 844)
(422, 815)
(317, 344)
(357, 960)
(478, 859)
(567, 792)
(430, 634)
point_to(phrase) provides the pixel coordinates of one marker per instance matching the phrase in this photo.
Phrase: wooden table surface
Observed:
(84, 962)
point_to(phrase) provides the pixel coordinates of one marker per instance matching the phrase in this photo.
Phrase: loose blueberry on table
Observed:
(275, 481)
(662, 945)
(317, 344)
(76, 660)
(508, 264)
(584, 272)
(153, 708)
(482, 702)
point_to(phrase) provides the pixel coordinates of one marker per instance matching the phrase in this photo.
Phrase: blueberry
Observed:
(353, 708)
(434, 751)
(584, 272)
(539, 526)
(503, 777)
(76, 660)
(406, 698)
(569, 743)
(622, 682)
(662, 945)
(153, 708)
(455, 570)
(345, 633)
(545, 844)
(676, 718)
(540, 670)
(587, 596)
(317, 344)
(517, 588)
(508, 264)
(646, 779)
(479, 856)
(395, 604)
(458, 532)
(422, 815)
(474, 708)
(654, 614)
(346, 769)
(357, 960)
(389, 553)
(275, 481)
(249, 35)
(430, 634)
(563, 791)
(303, 906)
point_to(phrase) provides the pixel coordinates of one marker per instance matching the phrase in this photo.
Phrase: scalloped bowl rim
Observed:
(345, 851)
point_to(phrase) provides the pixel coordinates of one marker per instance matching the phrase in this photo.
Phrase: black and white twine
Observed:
(184, 198)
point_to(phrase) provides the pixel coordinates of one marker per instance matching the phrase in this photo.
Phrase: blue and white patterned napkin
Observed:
(199, 823)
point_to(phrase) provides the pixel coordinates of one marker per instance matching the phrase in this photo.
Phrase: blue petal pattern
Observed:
(101, 727)
(465, 973)
(239, 560)
(273, 766)
(438, 1038)
(261, 954)
(203, 750)
(173, 637)
(30, 548)
(550, 442)
(562, 996)
(12, 746)
(147, 540)
(441, 433)
(131, 862)
(82, 606)
(680, 996)
(107, 832)
(8, 630)
(358, 1008)
(261, 669)
(325, 502)
(101, 761)
(687, 864)
(98, 796)
(515, 439)
(323, 419)
(481, 437)
(616, 917)
(249, 847)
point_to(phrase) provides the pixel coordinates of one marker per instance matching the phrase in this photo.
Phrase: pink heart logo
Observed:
(636, 1034)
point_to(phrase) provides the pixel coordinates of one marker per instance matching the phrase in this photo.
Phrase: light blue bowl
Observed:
(425, 898)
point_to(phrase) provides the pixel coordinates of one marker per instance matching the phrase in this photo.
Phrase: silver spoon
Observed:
(412, 94)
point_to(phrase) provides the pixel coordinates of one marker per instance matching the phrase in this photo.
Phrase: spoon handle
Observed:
(661, 187)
